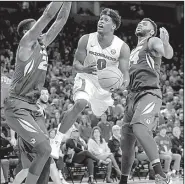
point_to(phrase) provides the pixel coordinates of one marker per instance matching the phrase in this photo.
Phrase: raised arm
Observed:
(160, 46)
(58, 24)
(33, 34)
(80, 56)
(124, 63)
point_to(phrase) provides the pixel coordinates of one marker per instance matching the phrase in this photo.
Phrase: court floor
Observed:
(142, 181)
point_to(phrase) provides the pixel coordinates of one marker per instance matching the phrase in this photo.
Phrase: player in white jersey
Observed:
(95, 51)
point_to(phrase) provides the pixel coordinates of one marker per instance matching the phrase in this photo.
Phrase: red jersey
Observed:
(144, 68)
(29, 76)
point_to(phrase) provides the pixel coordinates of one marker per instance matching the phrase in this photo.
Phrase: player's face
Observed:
(44, 96)
(105, 24)
(144, 28)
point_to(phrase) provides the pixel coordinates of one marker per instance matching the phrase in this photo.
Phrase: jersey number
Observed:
(44, 63)
(101, 64)
(134, 56)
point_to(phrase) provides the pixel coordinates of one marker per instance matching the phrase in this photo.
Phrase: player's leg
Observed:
(128, 141)
(23, 123)
(146, 108)
(82, 92)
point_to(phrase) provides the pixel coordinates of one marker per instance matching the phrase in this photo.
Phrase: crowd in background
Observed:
(59, 80)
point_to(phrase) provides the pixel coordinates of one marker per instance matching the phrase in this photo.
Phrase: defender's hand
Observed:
(90, 69)
(164, 36)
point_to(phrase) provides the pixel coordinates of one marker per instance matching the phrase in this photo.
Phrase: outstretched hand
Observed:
(164, 36)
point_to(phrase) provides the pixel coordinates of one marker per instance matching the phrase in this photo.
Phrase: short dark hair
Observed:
(153, 23)
(24, 25)
(114, 15)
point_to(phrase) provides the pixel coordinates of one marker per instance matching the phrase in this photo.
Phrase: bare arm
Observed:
(32, 35)
(80, 54)
(161, 46)
(58, 24)
(124, 63)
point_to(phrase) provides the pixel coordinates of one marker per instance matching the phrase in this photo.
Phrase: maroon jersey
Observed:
(29, 76)
(144, 68)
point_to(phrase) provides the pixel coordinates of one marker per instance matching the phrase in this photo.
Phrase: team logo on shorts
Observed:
(147, 121)
(113, 51)
(33, 141)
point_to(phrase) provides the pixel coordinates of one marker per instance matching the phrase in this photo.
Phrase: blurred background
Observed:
(83, 19)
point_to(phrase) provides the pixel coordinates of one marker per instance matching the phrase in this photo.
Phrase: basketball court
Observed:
(142, 181)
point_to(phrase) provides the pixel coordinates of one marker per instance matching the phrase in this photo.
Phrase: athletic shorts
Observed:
(143, 107)
(26, 150)
(21, 117)
(98, 98)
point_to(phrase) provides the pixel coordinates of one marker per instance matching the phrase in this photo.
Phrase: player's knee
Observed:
(80, 105)
(140, 130)
(43, 149)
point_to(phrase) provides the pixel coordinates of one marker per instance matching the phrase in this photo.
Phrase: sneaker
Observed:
(64, 181)
(55, 149)
(160, 180)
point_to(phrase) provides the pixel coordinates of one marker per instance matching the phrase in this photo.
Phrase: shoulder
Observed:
(124, 49)
(84, 38)
(154, 41)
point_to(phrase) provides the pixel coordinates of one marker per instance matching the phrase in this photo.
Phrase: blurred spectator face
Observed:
(11, 72)
(52, 134)
(44, 95)
(167, 83)
(84, 119)
(25, 5)
(123, 101)
(163, 132)
(181, 116)
(169, 106)
(116, 131)
(105, 24)
(75, 134)
(119, 123)
(176, 99)
(104, 117)
(170, 95)
(52, 120)
(176, 132)
(57, 115)
(96, 134)
(53, 90)
(181, 92)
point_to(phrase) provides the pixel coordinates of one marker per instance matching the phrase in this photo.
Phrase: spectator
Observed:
(105, 127)
(177, 141)
(114, 143)
(165, 145)
(99, 148)
(75, 153)
(85, 128)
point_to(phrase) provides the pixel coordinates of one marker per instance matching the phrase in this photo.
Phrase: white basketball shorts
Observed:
(98, 98)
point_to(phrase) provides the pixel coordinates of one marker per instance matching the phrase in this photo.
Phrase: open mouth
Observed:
(100, 26)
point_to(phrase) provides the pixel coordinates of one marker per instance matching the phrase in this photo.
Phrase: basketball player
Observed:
(144, 98)
(27, 156)
(95, 52)
(28, 79)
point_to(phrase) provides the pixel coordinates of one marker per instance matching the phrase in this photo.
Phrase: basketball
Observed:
(110, 78)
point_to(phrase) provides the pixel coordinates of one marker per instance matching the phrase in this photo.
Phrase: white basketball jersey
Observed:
(101, 57)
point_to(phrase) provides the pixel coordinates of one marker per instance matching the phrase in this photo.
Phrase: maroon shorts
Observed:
(143, 107)
(22, 118)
